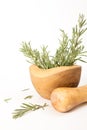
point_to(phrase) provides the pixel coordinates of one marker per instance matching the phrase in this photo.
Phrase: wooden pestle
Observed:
(64, 99)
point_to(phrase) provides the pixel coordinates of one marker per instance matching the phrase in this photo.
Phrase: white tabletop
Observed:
(38, 22)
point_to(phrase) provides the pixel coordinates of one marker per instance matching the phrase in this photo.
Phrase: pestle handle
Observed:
(64, 99)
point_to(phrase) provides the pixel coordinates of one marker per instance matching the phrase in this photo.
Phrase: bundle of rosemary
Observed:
(69, 51)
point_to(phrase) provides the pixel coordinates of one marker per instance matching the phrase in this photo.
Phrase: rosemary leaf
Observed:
(66, 54)
(27, 108)
(26, 89)
(7, 99)
(28, 97)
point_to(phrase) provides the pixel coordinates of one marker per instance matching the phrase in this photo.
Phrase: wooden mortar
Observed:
(46, 80)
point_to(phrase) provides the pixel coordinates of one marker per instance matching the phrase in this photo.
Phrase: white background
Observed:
(37, 21)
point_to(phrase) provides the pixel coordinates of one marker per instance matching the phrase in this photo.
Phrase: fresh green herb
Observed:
(27, 108)
(28, 97)
(7, 100)
(42, 59)
(69, 51)
(25, 89)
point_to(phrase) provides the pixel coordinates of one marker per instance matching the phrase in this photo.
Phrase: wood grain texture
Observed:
(65, 99)
(46, 80)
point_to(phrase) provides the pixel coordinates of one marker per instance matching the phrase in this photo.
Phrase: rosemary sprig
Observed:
(7, 100)
(26, 89)
(69, 52)
(71, 49)
(41, 59)
(27, 108)
(28, 97)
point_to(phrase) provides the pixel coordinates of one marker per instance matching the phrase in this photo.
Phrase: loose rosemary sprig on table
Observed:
(28, 97)
(7, 99)
(27, 108)
(69, 51)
